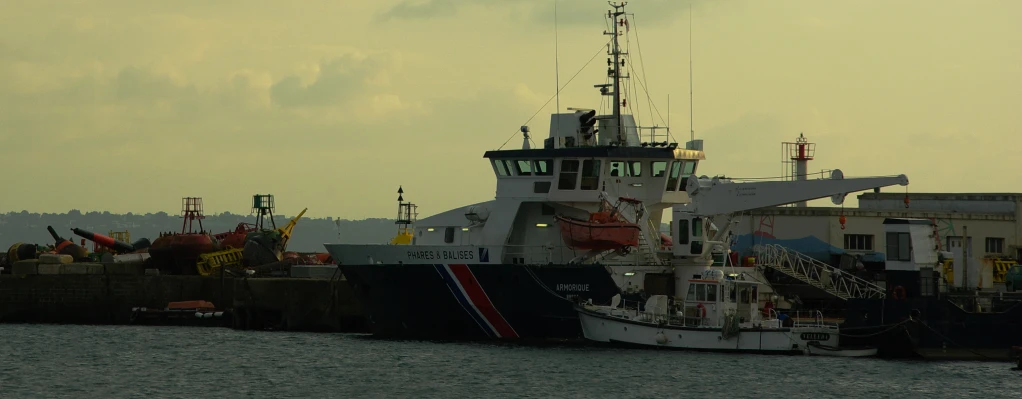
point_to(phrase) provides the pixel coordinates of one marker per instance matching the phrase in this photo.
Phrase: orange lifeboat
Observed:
(605, 229)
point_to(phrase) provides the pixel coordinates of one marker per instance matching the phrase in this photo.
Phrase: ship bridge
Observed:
(569, 170)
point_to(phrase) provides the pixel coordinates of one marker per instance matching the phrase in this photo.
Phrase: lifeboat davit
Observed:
(605, 230)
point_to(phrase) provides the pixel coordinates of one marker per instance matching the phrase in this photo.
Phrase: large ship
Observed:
(578, 219)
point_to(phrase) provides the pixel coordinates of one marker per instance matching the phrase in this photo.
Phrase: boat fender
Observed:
(661, 338)
(702, 309)
(898, 292)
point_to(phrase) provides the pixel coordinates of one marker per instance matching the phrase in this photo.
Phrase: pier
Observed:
(106, 293)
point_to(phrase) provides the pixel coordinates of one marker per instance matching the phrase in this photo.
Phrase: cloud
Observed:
(337, 81)
(569, 12)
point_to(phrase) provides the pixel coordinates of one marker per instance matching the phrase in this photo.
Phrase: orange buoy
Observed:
(842, 220)
(906, 201)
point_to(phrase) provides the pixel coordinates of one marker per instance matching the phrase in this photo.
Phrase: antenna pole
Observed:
(616, 52)
(691, 129)
(557, 67)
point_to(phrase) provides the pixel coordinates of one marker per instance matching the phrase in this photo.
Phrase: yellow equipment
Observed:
(1001, 268)
(285, 232)
(949, 271)
(208, 263)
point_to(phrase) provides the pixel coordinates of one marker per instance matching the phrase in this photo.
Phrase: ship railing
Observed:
(545, 254)
(816, 273)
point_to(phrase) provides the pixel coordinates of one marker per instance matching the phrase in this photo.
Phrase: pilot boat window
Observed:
(700, 292)
(635, 168)
(590, 174)
(683, 232)
(626, 168)
(617, 169)
(711, 293)
(501, 169)
(569, 175)
(658, 168)
(691, 292)
(544, 167)
(672, 182)
(690, 168)
(524, 167)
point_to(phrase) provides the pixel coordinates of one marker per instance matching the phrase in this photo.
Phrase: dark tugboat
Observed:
(177, 253)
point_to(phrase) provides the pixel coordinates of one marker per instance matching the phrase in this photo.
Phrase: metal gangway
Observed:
(818, 274)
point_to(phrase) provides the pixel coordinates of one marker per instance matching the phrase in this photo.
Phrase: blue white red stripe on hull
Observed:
(470, 294)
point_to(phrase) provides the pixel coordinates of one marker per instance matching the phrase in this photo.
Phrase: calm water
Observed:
(166, 362)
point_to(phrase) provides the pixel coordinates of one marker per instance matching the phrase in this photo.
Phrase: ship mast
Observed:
(616, 72)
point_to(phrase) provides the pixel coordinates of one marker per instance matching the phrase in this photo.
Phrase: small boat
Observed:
(183, 313)
(605, 230)
(824, 350)
(719, 314)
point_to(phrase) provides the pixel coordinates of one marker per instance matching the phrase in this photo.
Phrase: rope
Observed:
(944, 337)
(555, 94)
(892, 326)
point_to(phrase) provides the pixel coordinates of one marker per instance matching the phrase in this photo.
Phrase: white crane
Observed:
(715, 197)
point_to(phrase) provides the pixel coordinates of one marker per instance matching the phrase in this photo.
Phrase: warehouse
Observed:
(990, 220)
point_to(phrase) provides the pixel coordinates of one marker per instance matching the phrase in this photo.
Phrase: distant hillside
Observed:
(309, 235)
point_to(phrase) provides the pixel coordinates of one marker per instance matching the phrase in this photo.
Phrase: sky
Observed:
(127, 106)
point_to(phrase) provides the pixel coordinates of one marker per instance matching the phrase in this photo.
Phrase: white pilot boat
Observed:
(720, 313)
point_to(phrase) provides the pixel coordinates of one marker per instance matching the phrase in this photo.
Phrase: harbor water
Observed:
(60, 361)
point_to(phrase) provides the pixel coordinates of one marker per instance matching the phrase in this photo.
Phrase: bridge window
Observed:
(544, 167)
(994, 245)
(449, 235)
(700, 292)
(524, 167)
(711, 292)
(501, 169)
(658, 168)
(672, 181)
(899, 248)
(569, 175)
(859, 242)
(590, 174)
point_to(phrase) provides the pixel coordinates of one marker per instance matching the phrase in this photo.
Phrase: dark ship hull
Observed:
(478, 301)
(933, 326)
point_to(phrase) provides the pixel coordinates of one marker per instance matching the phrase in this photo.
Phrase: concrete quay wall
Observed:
(106, 294)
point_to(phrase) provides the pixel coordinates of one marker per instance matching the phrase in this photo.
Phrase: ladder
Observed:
(208, 263)
(815, 273)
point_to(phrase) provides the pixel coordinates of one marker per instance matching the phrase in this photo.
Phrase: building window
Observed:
(449, 235)
(859, 242)
(994, 245)
(899, 247)
(569, 175)
(590, 174)
(926, 280)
